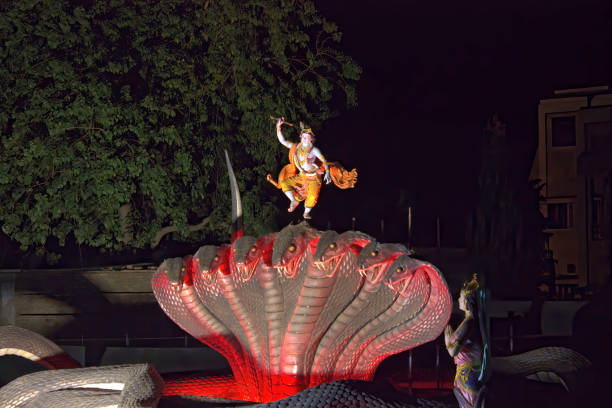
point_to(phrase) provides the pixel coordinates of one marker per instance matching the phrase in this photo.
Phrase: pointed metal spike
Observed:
(237, 227)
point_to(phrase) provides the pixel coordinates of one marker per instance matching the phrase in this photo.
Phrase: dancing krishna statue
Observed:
(300, 180)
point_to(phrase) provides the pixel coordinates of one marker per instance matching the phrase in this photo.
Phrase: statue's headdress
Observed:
(471, 286)
(306, 129)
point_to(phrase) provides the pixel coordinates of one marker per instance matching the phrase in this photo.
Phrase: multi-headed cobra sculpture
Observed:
(291, 311)
(301, 307)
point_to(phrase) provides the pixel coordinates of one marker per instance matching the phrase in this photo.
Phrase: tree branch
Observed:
(167, 230)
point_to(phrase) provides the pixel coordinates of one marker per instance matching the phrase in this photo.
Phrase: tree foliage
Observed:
(131, 103)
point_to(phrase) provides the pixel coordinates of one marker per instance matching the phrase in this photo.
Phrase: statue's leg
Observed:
(289, 194)
(312, 194)
(288, 185)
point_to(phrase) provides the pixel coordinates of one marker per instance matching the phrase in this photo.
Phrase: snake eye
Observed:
(292, 248)
(216, 259)
(374, 253)
(399, 269)
(332, 245)
(253, 249)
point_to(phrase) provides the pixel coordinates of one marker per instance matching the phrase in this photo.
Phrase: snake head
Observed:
(202, 261)
(328, 253)
(290, 245)
(289, 262)
(249, 252)
(220, 262)
(375, 259)
(241, 250)
(332, 247)
(175, 270)
(402, 270)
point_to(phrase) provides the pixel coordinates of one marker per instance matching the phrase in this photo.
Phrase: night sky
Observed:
(433, 73)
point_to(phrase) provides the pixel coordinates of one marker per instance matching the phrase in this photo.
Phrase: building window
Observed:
(597, 218)
(564, 131)
(599, 136)
(560, 215)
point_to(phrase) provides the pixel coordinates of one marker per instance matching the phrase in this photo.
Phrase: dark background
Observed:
(433, 74)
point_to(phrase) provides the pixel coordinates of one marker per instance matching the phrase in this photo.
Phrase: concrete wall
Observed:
(168, 359)
(7, 298)
(106, 302)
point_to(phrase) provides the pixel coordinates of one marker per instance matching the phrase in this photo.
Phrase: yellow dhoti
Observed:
(303, 186)
(307, 187)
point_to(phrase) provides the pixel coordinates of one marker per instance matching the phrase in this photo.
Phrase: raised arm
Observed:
(279, 134)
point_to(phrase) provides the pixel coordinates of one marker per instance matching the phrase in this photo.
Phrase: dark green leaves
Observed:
(132, 102)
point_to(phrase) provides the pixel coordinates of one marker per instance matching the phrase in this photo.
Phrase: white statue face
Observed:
(306, 139)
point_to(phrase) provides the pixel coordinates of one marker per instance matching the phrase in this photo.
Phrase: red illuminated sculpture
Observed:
(298, 308)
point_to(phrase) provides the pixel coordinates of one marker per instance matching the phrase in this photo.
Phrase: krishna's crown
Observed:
(305, 129)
